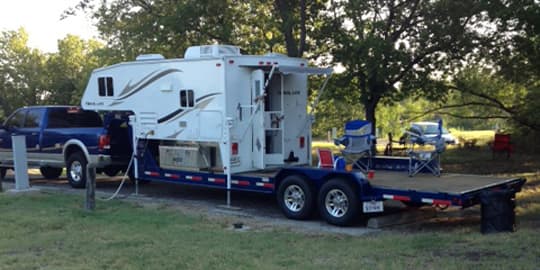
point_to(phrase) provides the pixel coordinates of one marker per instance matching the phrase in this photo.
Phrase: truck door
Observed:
(12, 125)
(24, 122)
(31, 130)
(257, 112)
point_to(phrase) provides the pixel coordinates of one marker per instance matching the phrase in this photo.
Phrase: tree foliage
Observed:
(395, 49)
(22, 79)
(30, 77)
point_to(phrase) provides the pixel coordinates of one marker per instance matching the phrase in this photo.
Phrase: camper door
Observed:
(257, 111)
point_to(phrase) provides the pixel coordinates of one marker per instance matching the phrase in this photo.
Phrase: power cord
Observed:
(126, 174)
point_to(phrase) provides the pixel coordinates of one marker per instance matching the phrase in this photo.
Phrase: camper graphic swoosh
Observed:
(129, 89)
(201, 103)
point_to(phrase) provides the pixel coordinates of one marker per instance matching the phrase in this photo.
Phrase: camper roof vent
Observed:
(211, 51)
(146, 57)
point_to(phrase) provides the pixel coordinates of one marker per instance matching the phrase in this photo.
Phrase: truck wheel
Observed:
(295, 197)
(338, 202)
(76, 170)
(51, 172)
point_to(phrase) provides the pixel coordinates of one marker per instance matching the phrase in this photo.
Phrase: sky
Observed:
(41, 20)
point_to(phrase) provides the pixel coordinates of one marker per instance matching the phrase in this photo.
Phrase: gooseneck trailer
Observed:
(220, 119)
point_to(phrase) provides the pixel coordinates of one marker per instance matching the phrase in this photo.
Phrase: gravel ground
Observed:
(253, 211)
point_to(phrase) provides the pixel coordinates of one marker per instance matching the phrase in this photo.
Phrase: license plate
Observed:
(373, 207)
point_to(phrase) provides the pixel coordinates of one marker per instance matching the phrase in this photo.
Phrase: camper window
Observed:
(105, 87)
(186, 98)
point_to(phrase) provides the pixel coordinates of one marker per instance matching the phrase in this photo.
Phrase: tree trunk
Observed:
(370, 108)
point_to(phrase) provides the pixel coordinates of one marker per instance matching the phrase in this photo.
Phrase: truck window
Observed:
(16, 120)
(68, 118)
(33, 118)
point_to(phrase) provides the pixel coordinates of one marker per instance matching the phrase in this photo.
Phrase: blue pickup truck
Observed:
(60, 137)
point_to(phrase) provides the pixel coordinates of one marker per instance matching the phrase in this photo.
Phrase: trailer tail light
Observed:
(234, 148)
(104, 142)
(302, 141)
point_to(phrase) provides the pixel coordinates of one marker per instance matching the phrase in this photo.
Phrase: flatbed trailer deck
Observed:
(448, 189)
(306, 186)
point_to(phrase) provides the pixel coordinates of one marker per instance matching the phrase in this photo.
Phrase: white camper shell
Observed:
(215, 109)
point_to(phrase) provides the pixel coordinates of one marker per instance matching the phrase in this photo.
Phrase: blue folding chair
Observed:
(358, 142)
(425, 160)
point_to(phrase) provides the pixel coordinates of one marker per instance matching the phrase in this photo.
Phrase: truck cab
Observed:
(64, 136)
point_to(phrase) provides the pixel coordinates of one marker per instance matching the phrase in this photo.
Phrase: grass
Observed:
(52, 231)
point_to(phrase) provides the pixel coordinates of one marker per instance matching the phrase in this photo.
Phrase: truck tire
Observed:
(76, 170)
(296, 197)
(51, 172)
(338, 202)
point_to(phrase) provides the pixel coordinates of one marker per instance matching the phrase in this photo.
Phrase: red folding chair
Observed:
(502, 143)
(326, 158)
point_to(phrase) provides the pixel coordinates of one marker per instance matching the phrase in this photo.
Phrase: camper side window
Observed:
(186, 98)
(105, 87)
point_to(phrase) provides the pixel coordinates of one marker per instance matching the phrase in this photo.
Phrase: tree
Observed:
(22, 76)
(68, 70)
(395, 49)
(501, 80)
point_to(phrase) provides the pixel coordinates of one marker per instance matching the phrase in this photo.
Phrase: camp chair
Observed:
(358, 142)
(421, 160)
(326, 158)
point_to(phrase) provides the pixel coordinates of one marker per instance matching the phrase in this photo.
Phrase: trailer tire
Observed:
(76, 170)
(296, 198)
(338, 202)
(51, 172)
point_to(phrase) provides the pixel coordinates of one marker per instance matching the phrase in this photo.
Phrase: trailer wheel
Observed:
(295, 197)
(51, 172)
(76, 170)
(338, 202)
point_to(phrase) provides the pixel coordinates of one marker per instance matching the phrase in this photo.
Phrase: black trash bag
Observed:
(498, 211)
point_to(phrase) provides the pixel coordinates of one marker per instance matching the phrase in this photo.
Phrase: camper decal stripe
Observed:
(130, 90)
(169, 116)
(205, 96)
(201, 103)
(129, 87)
